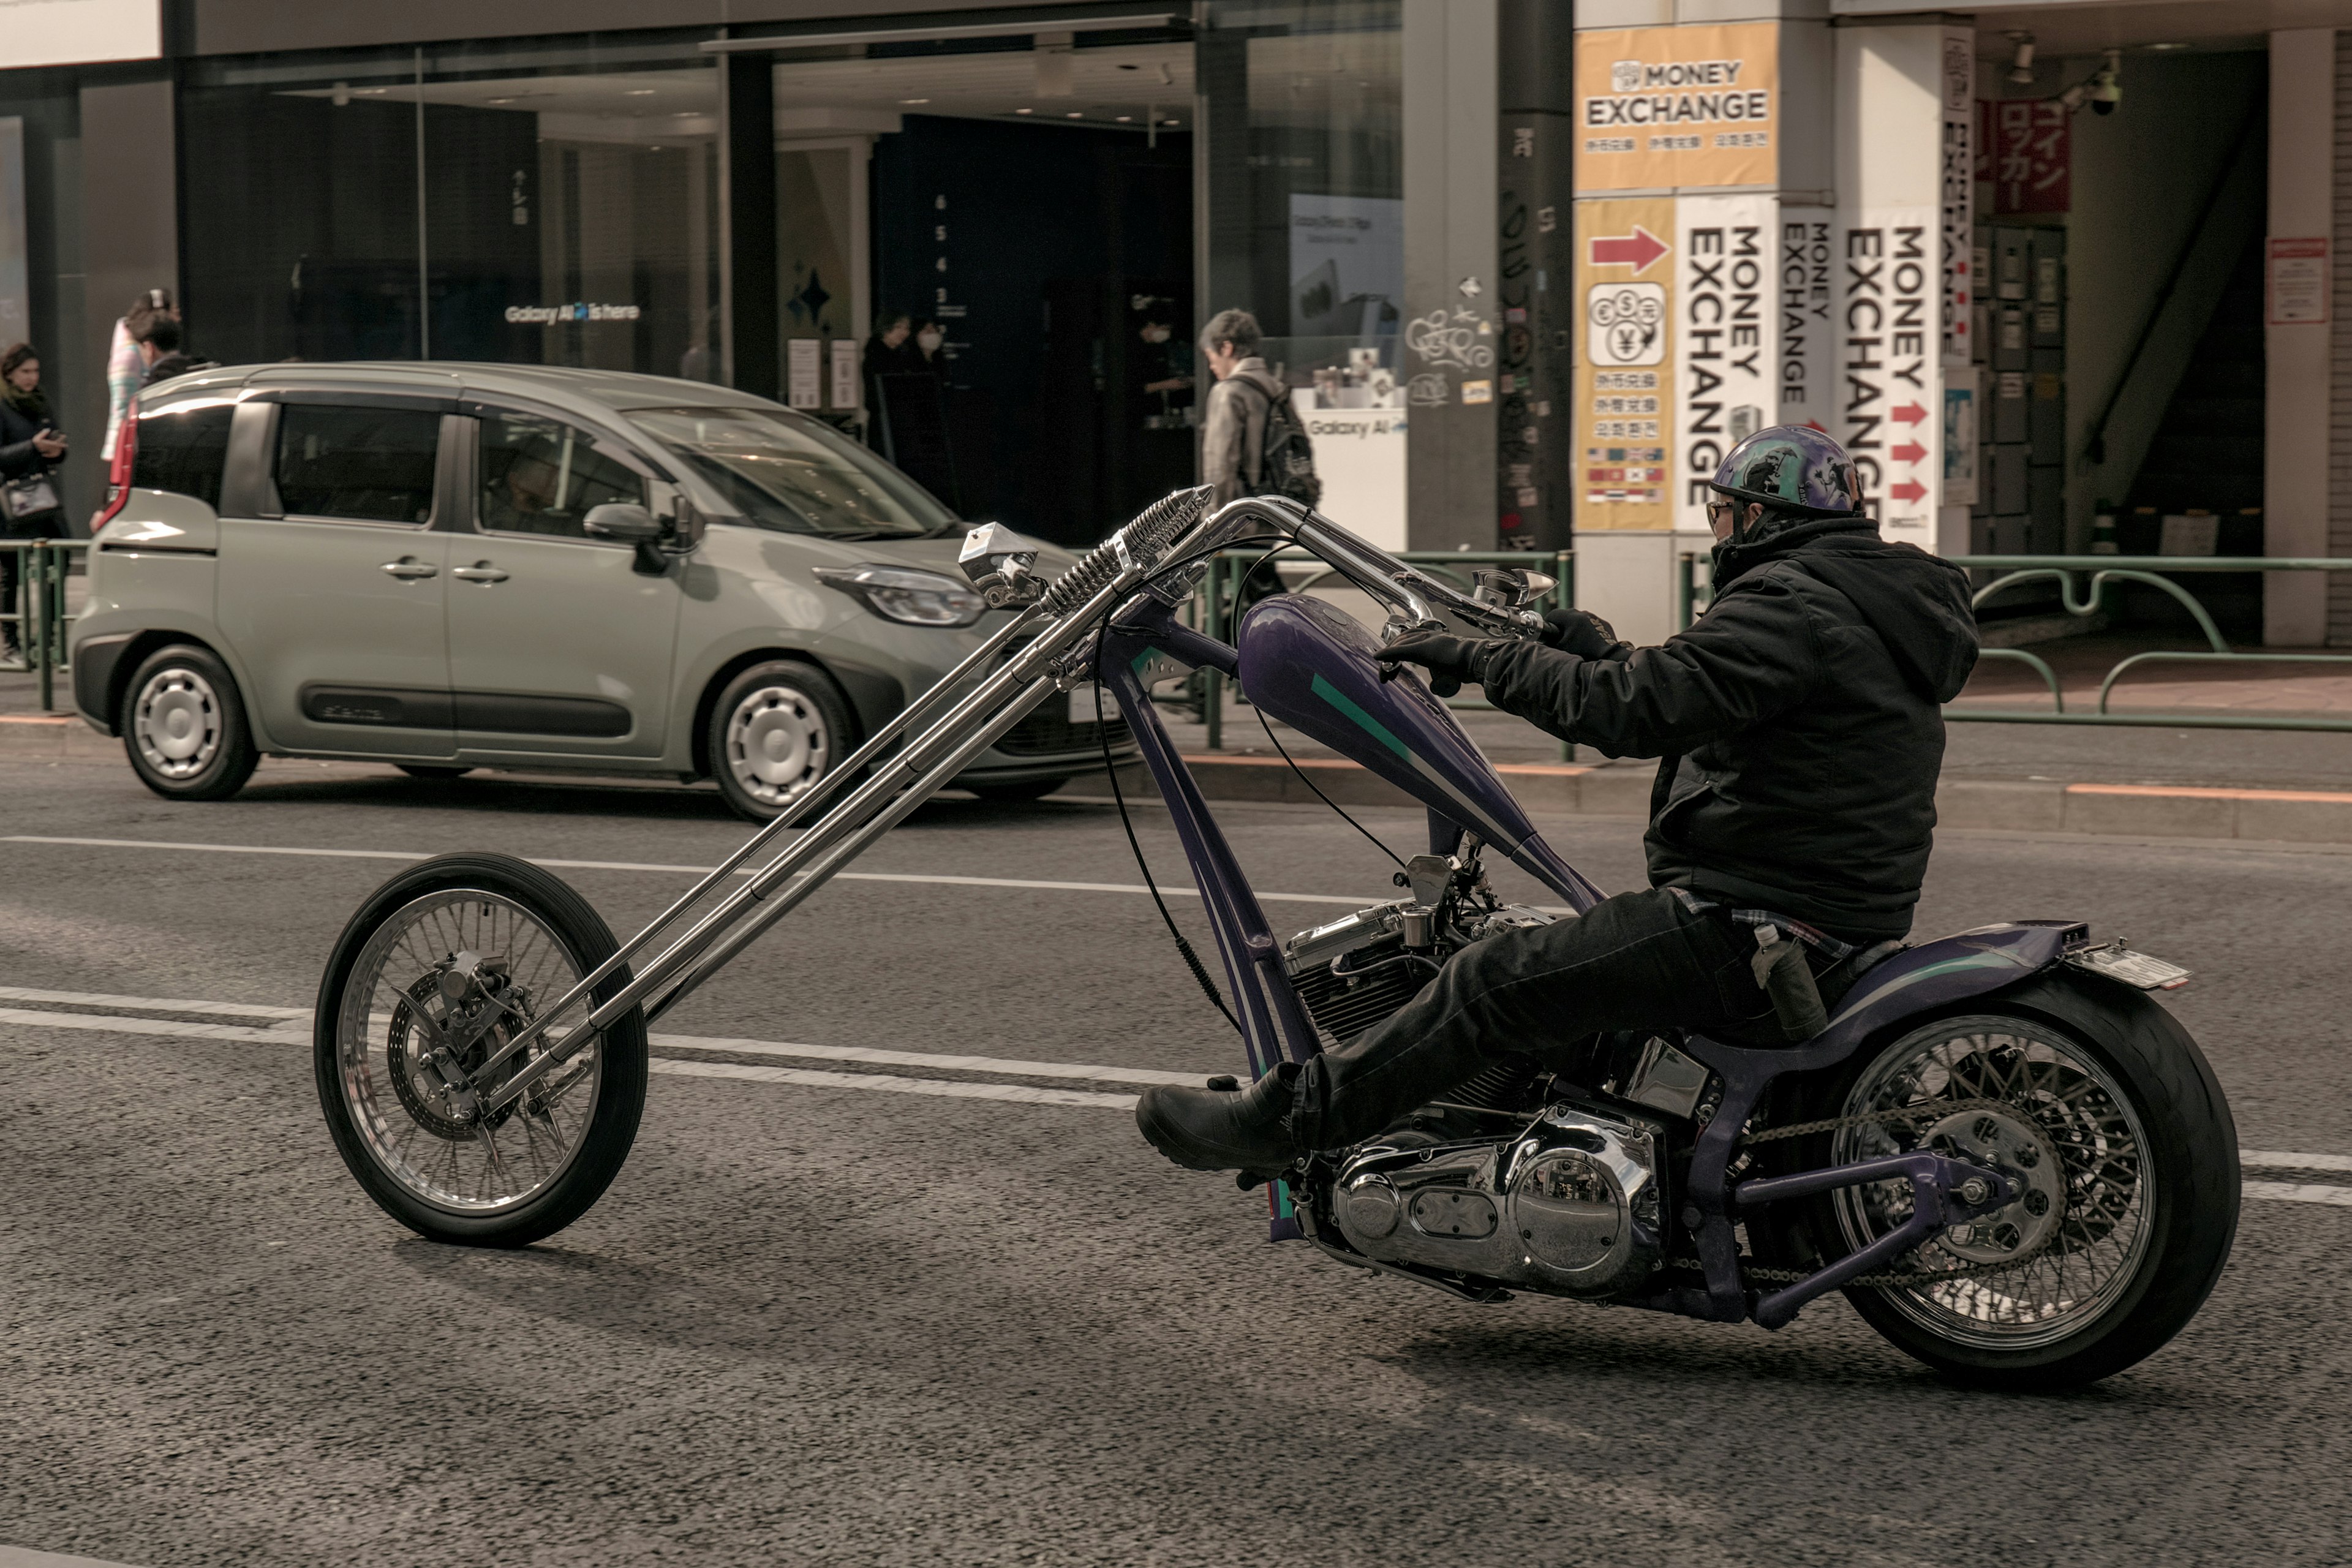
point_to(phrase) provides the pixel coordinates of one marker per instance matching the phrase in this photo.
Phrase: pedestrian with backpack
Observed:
(1252, 442)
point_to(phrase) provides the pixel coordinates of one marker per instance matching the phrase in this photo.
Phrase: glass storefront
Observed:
(1026, 201)
(543, 204)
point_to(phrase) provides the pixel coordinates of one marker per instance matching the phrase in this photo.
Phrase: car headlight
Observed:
(903, 593)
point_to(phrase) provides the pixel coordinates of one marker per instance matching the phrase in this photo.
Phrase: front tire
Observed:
(517, 1175)
(777, 729)
(2103, 1106)
(184, 726)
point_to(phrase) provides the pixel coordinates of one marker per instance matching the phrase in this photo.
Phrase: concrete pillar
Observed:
(130, 199)
(747, 196)
(1449, 358)
(2295, 453)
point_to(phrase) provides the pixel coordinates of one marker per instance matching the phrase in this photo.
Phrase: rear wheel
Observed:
(776, 731)
(184, 726)
(442, 949)
(2104, 1110)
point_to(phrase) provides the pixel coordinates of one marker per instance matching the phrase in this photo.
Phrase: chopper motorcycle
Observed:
(2015, 1164)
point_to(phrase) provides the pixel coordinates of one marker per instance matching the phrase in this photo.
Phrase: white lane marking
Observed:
(891, 1084)
(945, 881)
(888, 1083)
(280, 1035)
(152, 1004)
(26, 1557)
(2265, 1159)
(924, 1059)
(2300, 1193)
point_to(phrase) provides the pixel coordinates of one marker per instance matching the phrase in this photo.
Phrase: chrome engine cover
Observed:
(1571, 1206)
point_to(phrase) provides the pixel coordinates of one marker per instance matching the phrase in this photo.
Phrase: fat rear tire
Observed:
(184, 725)
(612, 1126)
(2188, 1167)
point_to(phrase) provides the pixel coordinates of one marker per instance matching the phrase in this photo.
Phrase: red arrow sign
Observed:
(1636, 250)
(1909, 489)
(1909, 414)
(1909, 452)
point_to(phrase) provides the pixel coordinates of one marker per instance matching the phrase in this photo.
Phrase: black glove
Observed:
(1580, 632)
(1450, 660)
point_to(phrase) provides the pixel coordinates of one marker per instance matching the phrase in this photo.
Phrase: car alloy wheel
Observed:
(176, 723)
(777, 743)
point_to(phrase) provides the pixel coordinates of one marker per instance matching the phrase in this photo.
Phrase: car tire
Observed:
(184, 726)
(1016, 794)
(430, 773)
(777, 729)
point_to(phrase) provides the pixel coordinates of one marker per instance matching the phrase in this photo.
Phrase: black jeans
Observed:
(40, 525)
(1636, 960)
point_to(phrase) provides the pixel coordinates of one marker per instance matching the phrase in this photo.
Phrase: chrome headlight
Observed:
(904, 593)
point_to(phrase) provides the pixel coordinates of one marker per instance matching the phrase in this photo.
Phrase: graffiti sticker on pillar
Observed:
(1808, 321)
(1957, 192)
(1888, 369)
(1725, 368)
(1625, 353)
(1677, 106)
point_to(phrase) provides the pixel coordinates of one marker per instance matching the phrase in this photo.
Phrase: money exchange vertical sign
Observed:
(1626, 361)
(1726, 363)
(1888, 365)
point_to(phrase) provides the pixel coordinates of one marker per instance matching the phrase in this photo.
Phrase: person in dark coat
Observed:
(32, 448)
(1801, 731)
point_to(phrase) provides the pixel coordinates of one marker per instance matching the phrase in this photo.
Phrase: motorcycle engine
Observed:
(1561, 1198)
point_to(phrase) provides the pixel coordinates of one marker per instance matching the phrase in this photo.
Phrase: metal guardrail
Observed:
(2102, 570)
(1209, 605)
(37, 613)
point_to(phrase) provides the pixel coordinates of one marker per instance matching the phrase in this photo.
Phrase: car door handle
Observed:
(479, 571)
(409, 566)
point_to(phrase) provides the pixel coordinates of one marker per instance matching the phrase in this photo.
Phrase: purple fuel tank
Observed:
(1311, 665)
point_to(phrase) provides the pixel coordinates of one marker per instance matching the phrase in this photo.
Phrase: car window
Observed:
(541, 476)
(183, 450)
(784, 472)
(373, 463)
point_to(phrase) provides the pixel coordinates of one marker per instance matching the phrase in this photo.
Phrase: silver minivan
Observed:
(448, 566)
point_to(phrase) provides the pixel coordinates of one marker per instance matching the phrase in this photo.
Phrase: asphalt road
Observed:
(827, 1324)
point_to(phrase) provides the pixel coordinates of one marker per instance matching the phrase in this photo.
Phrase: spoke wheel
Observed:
(2099, 1106)
(2048, 1115)
(444, 966)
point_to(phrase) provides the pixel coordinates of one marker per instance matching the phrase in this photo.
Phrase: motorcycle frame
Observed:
(1136, 608)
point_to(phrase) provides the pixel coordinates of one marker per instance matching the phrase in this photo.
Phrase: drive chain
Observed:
(1906, 1278)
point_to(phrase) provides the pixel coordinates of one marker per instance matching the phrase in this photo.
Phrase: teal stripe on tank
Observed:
(1363, 720)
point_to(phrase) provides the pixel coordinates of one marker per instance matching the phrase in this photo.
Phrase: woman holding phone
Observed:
(32, 448)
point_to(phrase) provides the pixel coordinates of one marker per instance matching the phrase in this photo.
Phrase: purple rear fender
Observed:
(1937, 973)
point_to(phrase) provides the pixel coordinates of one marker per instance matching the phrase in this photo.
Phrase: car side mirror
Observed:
(624, 523)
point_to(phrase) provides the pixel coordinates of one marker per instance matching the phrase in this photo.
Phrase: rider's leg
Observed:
(1634, 961)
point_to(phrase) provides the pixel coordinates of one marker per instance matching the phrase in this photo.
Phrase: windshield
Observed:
(789, 473)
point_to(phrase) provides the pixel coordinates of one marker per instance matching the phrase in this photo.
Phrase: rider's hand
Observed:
(1450, 659)
(1580, 632)
(49, 444)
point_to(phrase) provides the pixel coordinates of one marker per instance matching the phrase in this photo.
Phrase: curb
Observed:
(53, 735)
(2140, 810)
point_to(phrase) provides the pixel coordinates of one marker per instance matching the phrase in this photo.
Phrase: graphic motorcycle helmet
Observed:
(1792, 468)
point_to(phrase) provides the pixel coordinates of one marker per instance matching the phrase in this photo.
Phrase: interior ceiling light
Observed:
(914, 101)
(1125, 117)
(639, 92)
(501, 100)
(1024, 111)
(2165, 48)
(1074, 115)
(2021, 66)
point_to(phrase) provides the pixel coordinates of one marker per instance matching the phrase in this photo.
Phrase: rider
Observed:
(1799, 732)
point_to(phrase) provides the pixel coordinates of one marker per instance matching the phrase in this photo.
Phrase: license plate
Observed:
(1082, 706)
(2120, 962)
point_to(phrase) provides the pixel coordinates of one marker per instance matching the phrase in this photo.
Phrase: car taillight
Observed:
(117, 474)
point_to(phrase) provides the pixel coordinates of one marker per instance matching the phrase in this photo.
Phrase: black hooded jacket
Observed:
(1799, 723)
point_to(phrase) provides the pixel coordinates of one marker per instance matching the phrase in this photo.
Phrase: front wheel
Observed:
(446, 947)
(2100, 1105)
(776, 731)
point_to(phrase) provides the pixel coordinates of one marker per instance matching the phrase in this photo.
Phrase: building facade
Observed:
(2057, 273)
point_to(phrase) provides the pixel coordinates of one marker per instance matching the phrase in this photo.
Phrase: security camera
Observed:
(2106, 87)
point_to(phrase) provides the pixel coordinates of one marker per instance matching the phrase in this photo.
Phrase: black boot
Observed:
(1225, 1127)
